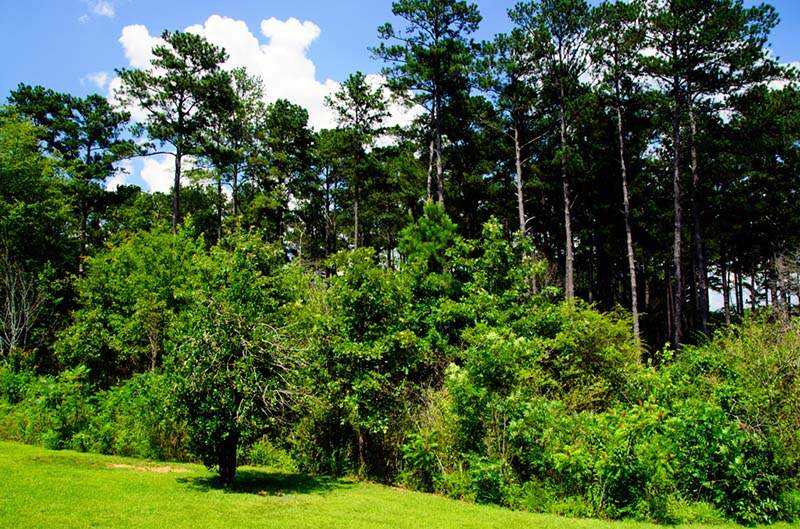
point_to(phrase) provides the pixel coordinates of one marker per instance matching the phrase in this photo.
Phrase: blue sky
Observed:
(74, 46)
(47, 42)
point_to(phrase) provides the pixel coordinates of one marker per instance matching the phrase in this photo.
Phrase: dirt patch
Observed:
(163, 469)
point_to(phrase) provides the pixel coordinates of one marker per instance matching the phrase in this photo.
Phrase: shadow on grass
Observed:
(263, 483)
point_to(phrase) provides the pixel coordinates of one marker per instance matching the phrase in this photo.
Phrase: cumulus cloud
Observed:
(122, 171)
(99, 79)
(279, 55)
(138, 44)
(282, 62)
(158, 172)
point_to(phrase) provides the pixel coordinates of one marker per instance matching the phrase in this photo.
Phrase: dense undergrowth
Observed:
(462, 373)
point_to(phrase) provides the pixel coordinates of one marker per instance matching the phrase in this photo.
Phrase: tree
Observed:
(700, 49)
(232, 138)
(184, 86)
(509, 72)
(86, 135)
(360, 110)
(281, 169)
(559, 26)
(617, 38)
(233, 363)
(431, 58)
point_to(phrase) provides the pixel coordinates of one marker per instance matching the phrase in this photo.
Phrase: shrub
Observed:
(139, 418)
(264, 453)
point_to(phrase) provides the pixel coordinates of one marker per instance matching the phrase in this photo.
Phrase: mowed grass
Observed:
(61, 489)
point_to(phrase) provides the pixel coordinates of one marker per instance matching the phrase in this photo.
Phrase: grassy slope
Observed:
(41, 488)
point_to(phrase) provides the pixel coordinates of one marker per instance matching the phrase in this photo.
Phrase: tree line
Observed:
(497, 302)
(639, 145)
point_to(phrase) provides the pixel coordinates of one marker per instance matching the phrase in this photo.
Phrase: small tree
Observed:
(179, 93)
(232, 360)
(360, 110)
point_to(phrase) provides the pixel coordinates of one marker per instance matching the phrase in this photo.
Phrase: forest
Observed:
(571, 285)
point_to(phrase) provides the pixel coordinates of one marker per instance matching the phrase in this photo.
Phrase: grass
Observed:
(42, 488)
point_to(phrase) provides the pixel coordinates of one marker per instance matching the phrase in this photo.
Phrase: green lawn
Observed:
(46, 489)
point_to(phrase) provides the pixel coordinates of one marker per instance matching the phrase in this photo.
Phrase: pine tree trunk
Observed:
(176, 191)
(355, 222)
(235, 191)
(518, 166)
(628, 236)
(429, 194)
(700, 276)
(726, 290)
(438, 137)
(219, 208)
(677, 312)
(569, 275)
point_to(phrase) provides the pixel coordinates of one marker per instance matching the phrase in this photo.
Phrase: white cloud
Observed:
(282, 61)
(138, 45)
(122, 171)
(780, 84)
(99, 79)
(158, 172)
(84, 18)
(102, 8)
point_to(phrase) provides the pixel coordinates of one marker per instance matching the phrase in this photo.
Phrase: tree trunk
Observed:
(219, 208)
(439, 167)
(700, 276)
(83, 237)
(429, 194)
(677, 292)
(726, 290)
(569, 275)
(176, 191)
(518, 166)
(235, 191)
(628, 235)
(753, 290)
(227, 459)
(355, 222)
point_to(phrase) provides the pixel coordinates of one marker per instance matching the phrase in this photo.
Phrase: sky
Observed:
(301, 48)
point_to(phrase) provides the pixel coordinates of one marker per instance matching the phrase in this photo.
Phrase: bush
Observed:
(52, 410)
(263, 453)
(421, 466)
(138, 418)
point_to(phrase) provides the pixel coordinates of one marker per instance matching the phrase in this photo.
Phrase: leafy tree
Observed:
(180, 91)
(360, 110)
(617, 39)
(86, 135)
(233, 360)
(560, 26)
(128, 301)
(432, 58)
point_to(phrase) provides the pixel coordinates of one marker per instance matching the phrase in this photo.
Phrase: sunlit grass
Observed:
(46, 489)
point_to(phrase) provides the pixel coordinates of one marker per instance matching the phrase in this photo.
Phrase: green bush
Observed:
(138, 418)
(421, 466)
(264, 453)
(52, 410)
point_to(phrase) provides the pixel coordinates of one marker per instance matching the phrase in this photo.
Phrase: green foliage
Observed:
(52, 412)
(264, 453)
(139, 418)
(232, 361)
(129, 299)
